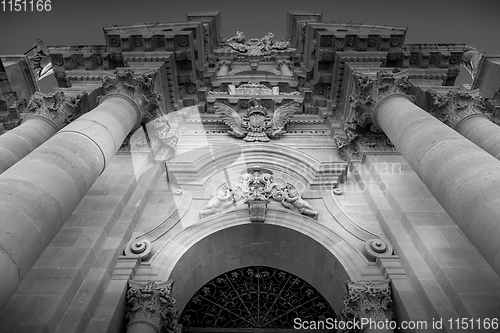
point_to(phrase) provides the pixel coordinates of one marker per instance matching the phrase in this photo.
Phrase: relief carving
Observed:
(56, 107)
(361, 133)
(257, 188)
(257, 125)
(369, 300)
(154, 304)
(221, 199)
(455, 106)
(255, 46)
(139, 89)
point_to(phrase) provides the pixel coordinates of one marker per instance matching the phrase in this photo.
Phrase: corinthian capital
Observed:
(455, 106)
(371, 90)
(369, 300)
(55, 107)
(151, 303)
(138, 89)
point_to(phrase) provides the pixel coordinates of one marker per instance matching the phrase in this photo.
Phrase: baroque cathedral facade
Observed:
(335, 180)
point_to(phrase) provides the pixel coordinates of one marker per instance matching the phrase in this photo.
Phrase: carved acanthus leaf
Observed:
(56, 107)
(361, 133)
(139, 88)
(154, 303)
(454, 106)
(369, 300)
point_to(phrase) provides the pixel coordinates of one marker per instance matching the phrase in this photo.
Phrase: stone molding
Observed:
(455, 106)
(137, 88)
(369, 300)
(153, 304)
(58, 109)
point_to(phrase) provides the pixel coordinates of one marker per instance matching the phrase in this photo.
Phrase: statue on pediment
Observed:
(256, 46)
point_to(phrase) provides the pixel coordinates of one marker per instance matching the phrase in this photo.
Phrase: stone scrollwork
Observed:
(369, 300)
(455, 106)
(56, 108)
(153, 304)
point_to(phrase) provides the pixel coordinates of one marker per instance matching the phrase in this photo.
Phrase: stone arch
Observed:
(286, 241)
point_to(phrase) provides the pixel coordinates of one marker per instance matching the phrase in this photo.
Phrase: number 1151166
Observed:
(26, 5)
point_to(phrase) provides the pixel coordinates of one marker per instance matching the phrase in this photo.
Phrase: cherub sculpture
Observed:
(221, 199)
(257, 124)
(292, 200)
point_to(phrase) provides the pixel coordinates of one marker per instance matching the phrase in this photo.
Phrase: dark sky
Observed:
(476, 23)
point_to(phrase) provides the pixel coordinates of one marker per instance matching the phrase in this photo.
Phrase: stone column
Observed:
(151, 308)
(461, 176)
(368, 307)
(49, 113)
(284, 68)
(224, 67)
(464, 112)
(40, 192)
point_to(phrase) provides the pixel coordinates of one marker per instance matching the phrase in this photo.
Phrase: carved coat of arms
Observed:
(257, 124)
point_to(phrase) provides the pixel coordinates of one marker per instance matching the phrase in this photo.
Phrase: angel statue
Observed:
(221, 199)
(292, 200)
(257, 124)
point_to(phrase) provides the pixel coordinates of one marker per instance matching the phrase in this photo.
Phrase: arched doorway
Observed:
(255, 298)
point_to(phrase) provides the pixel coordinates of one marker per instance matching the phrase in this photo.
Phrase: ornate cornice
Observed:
(369, 300)
(139, 89)
(153, 304)
(55, 107)
(455, 106)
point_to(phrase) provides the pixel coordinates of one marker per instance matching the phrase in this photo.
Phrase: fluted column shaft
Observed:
(462, 177)
(483, 132)
(20, 141)
(40, 192)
